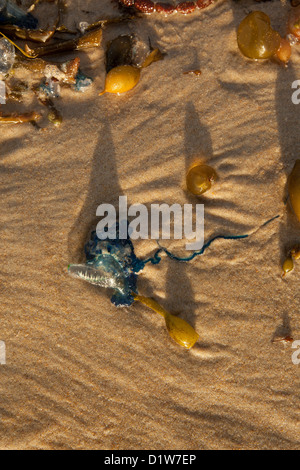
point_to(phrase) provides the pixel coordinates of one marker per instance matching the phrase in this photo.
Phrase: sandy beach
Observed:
(83, 374)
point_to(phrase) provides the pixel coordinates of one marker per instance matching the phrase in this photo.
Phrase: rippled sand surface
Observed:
(81, 373)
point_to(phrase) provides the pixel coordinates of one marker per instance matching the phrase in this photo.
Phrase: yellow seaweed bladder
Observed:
(256, 38)
(179, 330)
(121, 79)
(200, 178)
(288, 264)
(294, 188)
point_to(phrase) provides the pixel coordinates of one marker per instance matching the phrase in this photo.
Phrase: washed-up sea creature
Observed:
(200, 178)
(122, 73)
(148, 6)
(257, 39)
(10, 13)
(112, 264)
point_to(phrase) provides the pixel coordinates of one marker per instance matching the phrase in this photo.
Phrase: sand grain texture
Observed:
(81, 373)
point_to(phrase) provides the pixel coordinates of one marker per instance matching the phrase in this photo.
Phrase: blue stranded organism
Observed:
(112, 263)
(10, 13)
(82, 81)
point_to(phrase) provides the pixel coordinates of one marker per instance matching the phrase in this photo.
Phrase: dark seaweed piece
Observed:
(90, 39)
(119, 52)
(35, 35)
(12, 14)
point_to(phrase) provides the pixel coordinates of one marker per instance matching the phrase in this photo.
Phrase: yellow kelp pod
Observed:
(179, 330)
(200, 178)
(294, 188)
(285, 51)
(256, 38)
(288, 266)
(121, 79)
